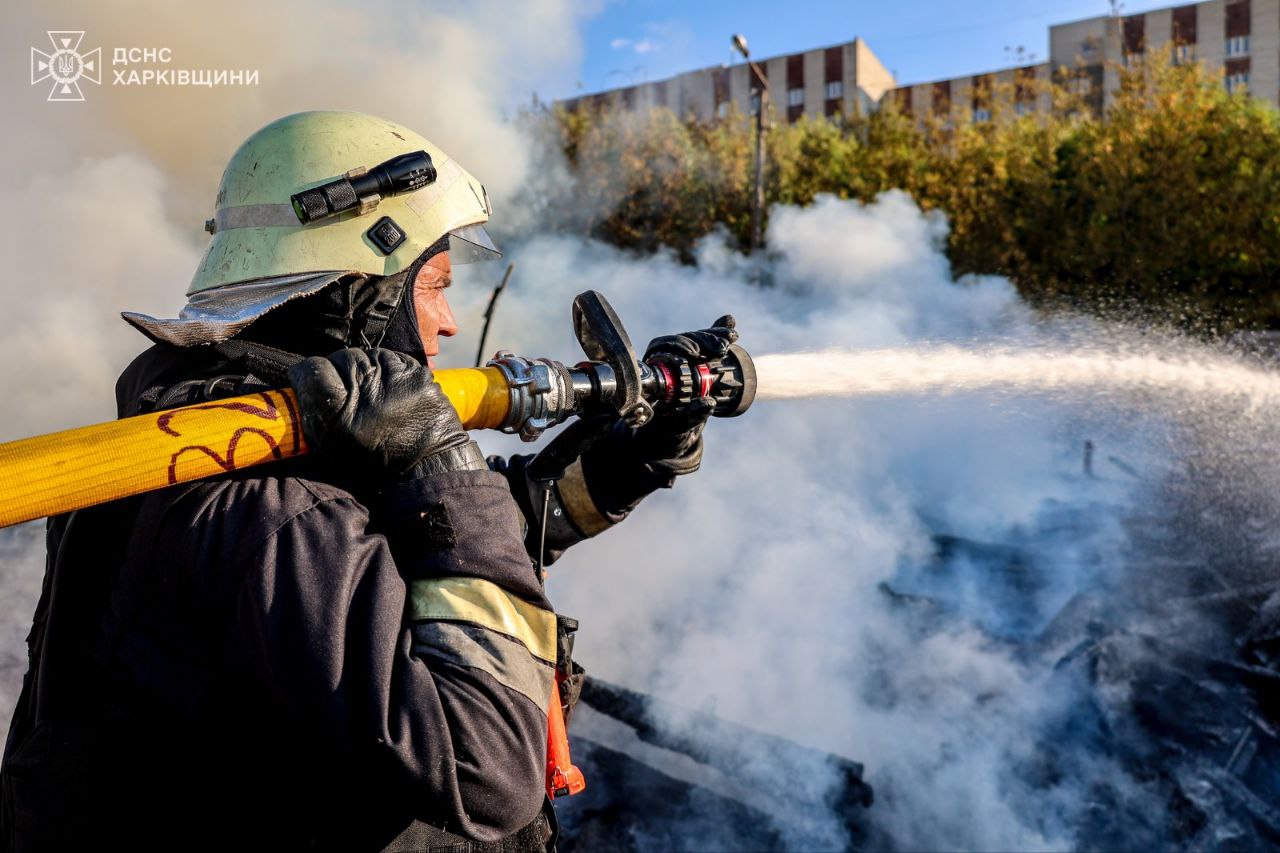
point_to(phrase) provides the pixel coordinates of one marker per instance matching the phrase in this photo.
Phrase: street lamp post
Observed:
(762, 86)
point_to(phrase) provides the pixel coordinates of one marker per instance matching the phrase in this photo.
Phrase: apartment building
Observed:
(1240, 38)
(844, 78)
(976, 95)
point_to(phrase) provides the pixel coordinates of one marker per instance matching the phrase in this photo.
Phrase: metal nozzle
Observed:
(544, 393)
(734, 388)
(673, 382)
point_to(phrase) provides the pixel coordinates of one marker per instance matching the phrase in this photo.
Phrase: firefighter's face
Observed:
(430, 307)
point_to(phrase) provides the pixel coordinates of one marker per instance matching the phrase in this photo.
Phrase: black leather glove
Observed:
(676, 437)
(627, 463)
(619, 465)
(380, 414)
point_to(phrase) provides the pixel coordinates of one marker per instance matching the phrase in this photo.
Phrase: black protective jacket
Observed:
(274, 659)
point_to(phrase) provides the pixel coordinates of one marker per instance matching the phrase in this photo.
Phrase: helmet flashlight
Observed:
(361, 189)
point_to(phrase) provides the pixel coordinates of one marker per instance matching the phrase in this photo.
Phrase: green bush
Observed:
(1169, 201)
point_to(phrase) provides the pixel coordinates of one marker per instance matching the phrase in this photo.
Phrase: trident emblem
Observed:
(66, 66)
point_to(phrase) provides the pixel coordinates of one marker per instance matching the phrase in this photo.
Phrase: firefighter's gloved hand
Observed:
(379, 413)
(675, 438)
(627, 463)
(704, 344)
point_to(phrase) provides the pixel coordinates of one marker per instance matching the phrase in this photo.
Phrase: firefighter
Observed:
(348, 650)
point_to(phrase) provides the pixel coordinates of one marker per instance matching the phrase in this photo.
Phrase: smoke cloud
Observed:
(817, 598)
(106, 199)
(772, 616)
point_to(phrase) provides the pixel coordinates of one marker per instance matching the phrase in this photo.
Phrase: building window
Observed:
(1184, 53)
(720, 91)
(795, 86)
(942, 97)
(833, 73)
(1025, 108)
(904, 100)
(1184, 26)
(1134, 30)
(1239, 23)
(980, 96)
(755, 101)
(1024, 84)
(1237, 74)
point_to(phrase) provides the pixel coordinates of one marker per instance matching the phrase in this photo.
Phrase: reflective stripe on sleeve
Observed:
(488, 605)
(577, 502)
(503, 659)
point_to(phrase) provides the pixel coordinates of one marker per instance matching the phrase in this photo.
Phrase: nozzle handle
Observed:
(604, 339)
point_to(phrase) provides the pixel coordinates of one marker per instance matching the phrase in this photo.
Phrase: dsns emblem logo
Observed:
(66, 65)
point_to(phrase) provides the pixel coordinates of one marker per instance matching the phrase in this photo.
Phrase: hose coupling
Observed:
(541, 393)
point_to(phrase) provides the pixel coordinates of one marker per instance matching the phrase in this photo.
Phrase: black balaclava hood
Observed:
(402, 333)
(348, 314)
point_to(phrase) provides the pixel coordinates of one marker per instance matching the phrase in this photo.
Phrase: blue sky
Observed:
(631, 41)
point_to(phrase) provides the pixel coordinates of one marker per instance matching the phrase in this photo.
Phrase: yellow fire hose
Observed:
(65, 471)
(78, 468)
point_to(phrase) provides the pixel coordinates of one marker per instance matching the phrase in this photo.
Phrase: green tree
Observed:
(1168, 202)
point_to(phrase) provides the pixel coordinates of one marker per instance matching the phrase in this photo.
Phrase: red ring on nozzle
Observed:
(706, 380)
(669, 382)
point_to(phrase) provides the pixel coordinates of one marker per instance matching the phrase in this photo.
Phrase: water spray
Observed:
(65, 471)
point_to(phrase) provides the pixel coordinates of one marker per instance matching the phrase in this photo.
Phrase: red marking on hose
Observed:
(227, 463)
(295, 421)
(268, 412)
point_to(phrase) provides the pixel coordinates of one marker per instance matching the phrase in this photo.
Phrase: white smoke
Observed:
(754, 588)
(105, 200)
